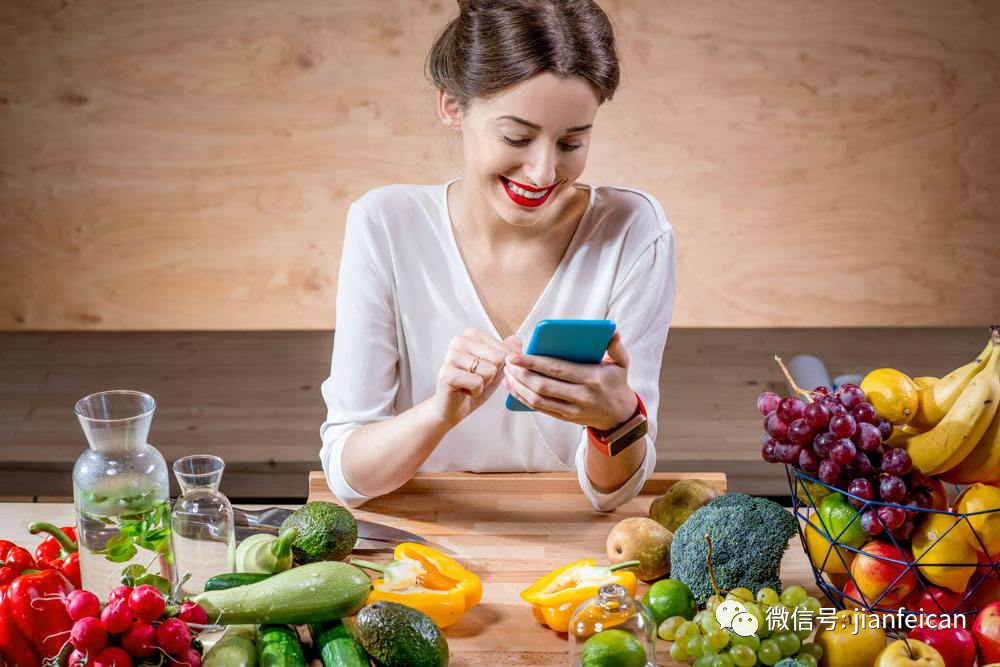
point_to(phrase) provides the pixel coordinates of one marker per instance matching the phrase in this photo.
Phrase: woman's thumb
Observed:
(617, 352)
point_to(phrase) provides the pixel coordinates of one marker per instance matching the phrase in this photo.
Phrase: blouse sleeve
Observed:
(362, 386)
(641, 307)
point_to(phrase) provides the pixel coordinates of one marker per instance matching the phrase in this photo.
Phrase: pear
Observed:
(644, 540)
(680, 501)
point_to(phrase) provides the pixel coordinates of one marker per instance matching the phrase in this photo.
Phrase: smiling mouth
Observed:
(526, 195)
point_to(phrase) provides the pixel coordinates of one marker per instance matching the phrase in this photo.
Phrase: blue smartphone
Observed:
(579, 341)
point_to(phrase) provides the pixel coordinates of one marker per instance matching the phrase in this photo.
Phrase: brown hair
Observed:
(494, 44)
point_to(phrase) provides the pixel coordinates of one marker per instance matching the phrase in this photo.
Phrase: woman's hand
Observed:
(596, 395)
(471, 372)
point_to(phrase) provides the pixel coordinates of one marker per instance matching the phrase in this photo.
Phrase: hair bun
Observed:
(466, 5)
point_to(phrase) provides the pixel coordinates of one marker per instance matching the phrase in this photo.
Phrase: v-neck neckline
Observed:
(470, 283)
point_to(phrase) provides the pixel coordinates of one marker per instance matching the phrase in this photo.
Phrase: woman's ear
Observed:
(449, 111)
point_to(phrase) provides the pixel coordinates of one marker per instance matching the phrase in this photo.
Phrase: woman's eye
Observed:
(570, 147)
(514, 142)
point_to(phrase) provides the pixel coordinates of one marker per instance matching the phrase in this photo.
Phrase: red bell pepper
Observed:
(58, 551)
(15, 649)
(13, 561)
(38, 605)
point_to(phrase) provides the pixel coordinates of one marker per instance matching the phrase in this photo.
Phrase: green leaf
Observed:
(132, 573)
(122, 553)
(160, 583)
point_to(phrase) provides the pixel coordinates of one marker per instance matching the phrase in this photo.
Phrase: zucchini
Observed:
(336, 648)
(236, 648)
(279, 646)
(317, 592)
(221, 582)
(266, 553)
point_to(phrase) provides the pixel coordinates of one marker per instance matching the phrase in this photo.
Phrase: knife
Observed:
(362, 545)
(270, 519)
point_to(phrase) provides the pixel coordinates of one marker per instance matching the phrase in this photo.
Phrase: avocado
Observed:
(399, 636)
(327, 531)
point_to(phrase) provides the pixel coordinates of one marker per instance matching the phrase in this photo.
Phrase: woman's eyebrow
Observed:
(536, 126)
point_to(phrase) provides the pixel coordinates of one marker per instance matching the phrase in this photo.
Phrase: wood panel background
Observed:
(187, 164)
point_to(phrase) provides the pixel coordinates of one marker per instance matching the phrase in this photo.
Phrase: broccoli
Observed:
(749, 537)
(789, 662)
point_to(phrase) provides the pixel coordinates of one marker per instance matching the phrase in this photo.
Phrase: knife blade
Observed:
(362, 545)
(270, 519)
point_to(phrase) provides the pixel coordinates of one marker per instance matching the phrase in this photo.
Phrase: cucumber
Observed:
(236, 648)
(336, 648)
(317, 592)
(279, 646)
(221, 582)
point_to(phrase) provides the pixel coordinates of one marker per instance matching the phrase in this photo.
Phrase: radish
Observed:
(173, 635)
(189, 658)
(82, 604)
(88, 635)
(78, 659)
(116, 617)
(140, 640)
(192, 612)
(122, 592)
(147, 603)
(113, 657)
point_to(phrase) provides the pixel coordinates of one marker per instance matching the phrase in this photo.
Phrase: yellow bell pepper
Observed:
(556, 596)
(427, 580)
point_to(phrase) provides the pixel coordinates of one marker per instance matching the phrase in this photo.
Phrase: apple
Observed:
(955, 645)
(909, 653)
(933, 600)
(872, 574)
(986, 630)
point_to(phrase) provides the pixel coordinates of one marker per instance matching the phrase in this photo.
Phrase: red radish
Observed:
(173, 635)
(88, 635)
(82, 604)
(147, 603)
(192, 612)
(189, 658)
(78, 659)
(140, 640)
(116, 617)
(113, 657)
(120, 593)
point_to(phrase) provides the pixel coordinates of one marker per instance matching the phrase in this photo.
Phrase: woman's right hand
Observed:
(471, 372)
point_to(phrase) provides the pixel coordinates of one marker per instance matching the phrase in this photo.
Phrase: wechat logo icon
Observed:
(732, 614)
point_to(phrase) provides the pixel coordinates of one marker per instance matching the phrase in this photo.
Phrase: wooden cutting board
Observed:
(510, 529)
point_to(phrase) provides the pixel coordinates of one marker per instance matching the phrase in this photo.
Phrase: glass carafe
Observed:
(121, 492)
(614, 625)
(202, 520)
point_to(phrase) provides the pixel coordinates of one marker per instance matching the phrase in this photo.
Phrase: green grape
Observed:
(742, 655)
(781, 620)
(686, 631)
(769, 653)
(695, 647)
(807, 660)
(815, 650)
(704, 661)
(723, 660)
(812, 605)
(741, 594)
(678, 652)
(803, 632)
(754, 610)
(768, 596)
(668, 629)
(788, 642)
(713, 602)
(707, 647)
(752, 641)
(718, 638)
(793, 595)
(700, 616)
(710, 623)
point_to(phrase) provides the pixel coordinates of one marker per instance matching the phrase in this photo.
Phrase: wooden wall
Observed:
(187, 164)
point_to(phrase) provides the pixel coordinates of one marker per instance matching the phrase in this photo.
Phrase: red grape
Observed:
(817, 414)
(862, 464)
(790, 409)
(767, 450)
(892, 517)
(787, 452)
(897, 461)
(822, 390)
(775, 427)
(843, 452)
(862, 488)
(822, 444)
(767, 402)
(865, 412)
(922, 497)
(850, 395)
(829, 472)
(905, 529)
(884, 427)
(870, 524)
(808, 460)
(867, 437)
(842, 425)
(892, 489)
(800, 432)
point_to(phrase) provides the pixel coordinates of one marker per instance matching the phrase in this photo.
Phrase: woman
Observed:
(440, 285)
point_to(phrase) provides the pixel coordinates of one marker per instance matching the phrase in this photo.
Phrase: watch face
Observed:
(623, 442)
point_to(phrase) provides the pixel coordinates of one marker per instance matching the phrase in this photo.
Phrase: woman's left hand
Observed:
(596, 395)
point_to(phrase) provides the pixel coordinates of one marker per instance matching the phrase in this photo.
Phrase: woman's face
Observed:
(525, 147)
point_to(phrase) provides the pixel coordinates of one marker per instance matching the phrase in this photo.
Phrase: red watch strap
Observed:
(598, 440)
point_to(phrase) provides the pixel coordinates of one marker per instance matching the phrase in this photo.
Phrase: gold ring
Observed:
(474, 365)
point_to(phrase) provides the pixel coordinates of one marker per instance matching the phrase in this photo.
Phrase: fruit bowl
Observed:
(945, 567)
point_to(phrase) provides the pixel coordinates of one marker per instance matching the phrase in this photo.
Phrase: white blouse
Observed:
(404, 293)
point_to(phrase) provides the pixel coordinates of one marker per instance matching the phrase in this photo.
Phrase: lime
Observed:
(842, 521)
(613, 648)
(670, 597)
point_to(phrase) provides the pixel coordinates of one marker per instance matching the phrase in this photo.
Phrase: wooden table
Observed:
(508, 528)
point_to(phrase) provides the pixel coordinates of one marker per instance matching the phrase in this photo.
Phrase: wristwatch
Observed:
(613, 442)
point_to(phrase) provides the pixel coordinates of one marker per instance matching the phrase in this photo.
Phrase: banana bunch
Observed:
(955, 433)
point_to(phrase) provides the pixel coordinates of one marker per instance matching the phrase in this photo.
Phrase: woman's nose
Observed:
(542, 167)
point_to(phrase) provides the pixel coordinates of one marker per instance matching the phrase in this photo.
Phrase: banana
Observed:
(924, 381)
(947, 444)
(983, 463)
(936, 399)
